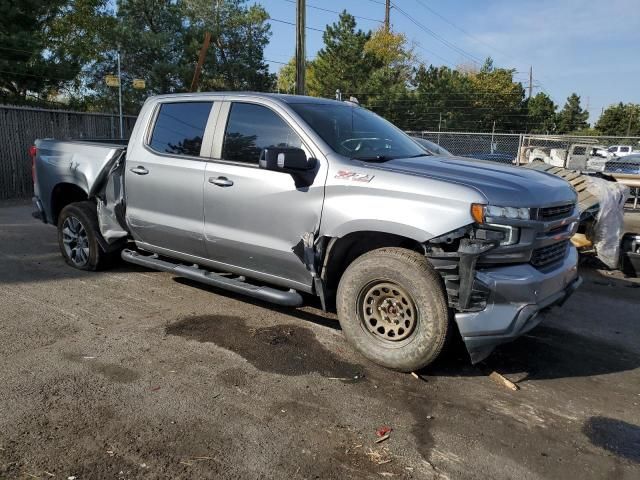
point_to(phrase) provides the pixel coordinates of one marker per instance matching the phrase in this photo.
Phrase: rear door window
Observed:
(624, 149)
(179, 128)
(251, 128)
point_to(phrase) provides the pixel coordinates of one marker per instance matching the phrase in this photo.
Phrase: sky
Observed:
(591, 47)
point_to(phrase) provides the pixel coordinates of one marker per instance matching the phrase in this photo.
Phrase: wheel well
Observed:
(62, 195)
(346, 249)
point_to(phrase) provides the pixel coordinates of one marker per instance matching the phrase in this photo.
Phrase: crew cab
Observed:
(273, 196)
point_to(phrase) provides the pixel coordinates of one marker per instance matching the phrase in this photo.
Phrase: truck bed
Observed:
(80, 163)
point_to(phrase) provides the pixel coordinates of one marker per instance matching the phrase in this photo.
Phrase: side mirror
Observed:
(286, 159)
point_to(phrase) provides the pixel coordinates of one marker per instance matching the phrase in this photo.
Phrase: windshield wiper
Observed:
(419, 155)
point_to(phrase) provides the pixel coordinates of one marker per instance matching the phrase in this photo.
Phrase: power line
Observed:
(460, 29)
(271, 19)
(336, 12)
(436, 36)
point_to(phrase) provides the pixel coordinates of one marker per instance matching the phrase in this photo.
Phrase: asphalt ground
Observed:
(131, 373)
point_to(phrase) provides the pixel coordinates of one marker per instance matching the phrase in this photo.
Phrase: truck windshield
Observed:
(357, 133)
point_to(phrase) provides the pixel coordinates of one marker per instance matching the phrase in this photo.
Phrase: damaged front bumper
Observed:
(517, 293)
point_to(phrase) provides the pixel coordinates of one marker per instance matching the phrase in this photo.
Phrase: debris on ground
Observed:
(418, 377)
(384, 430)
(501, 380)
(379, 456)
(382, 439)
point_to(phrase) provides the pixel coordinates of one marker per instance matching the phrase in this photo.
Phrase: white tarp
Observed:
(609, 225)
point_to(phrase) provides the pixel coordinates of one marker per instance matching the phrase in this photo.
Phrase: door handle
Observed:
(221, 181)
(139, 170)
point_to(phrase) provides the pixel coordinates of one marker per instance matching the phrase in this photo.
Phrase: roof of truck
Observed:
(273, 96)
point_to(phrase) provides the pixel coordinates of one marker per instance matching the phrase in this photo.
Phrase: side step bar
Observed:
(289, 298)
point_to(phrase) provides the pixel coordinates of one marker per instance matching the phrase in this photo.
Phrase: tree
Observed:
(342, 63)
(235, 60)
(620, 119)
(442, 99)
(286, 82)
(45, 44)
(572, 117)
(160, 40)
(541, 114)
(496, 99)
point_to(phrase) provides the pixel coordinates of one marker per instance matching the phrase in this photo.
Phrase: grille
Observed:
(544, 256)
(556, 213)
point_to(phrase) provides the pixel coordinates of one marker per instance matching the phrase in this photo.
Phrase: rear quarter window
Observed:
(179, 128)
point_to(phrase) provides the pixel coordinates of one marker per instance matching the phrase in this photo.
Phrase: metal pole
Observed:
(120, 97)
(493, 131)
(520, 138)
(300, 51)
(439, 125)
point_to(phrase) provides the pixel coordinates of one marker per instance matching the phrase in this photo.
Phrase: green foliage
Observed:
(342, 64)
(44, 44)
(572, 117)
(541, 114)
(63, 49)
(620, 119)
(159, 42)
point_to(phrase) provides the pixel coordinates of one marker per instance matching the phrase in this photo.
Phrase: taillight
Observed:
(33, 151)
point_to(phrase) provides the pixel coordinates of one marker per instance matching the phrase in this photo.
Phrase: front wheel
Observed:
(392, 308)
(77, 237)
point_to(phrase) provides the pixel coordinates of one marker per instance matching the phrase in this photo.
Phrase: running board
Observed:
(289, 298)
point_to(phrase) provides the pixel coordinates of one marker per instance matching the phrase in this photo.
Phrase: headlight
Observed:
(479, 212)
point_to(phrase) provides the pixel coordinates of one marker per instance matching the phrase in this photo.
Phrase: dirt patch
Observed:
(111, 371)
(282, 349)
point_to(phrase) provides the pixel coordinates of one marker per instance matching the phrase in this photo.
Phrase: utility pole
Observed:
(301, 62)
(387, 10)
(203, 50)
(530, 81)
(203, 54)
(120, 97)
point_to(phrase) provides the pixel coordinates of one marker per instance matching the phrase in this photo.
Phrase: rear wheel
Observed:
(392, 308)
(77, 237)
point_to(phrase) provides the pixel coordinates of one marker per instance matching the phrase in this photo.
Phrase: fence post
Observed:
(520, 141)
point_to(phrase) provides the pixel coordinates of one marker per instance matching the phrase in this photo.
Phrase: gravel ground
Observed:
(132, 373)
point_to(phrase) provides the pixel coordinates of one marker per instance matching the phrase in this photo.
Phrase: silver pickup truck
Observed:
(273, 196)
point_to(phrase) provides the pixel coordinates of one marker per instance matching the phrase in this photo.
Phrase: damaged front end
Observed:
(499, 277)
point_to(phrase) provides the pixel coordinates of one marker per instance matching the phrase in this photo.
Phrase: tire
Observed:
(404, 326)
(77, 237)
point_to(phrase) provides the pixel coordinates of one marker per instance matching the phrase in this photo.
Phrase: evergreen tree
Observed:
(541, 114)
(572, 117)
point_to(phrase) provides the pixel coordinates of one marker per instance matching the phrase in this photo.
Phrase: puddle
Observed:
(283, 349)
(615, 436)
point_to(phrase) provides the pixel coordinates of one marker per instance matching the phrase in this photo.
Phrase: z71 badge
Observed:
(353, 176)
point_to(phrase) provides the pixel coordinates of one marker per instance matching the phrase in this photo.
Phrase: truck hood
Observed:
(503, 185)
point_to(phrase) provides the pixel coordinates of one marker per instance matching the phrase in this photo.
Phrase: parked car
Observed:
(629, 164)
(273, 195)
(578, 156)
(432, 147)
(619, 150)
